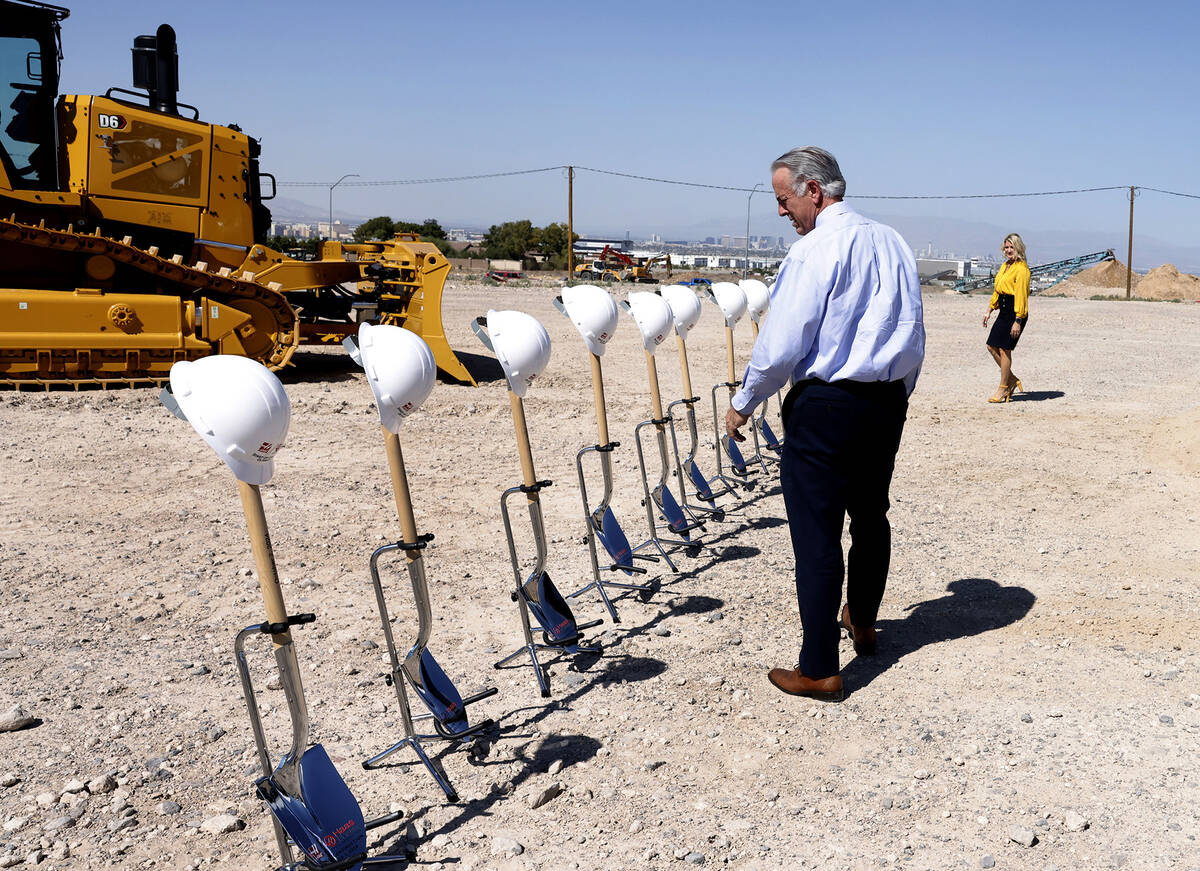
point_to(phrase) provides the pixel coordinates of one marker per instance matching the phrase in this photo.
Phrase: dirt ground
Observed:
(1034, 703)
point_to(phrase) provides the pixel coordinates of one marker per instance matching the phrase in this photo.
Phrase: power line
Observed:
(1172, 193)
(984, 196)
(691, 184)
(721, 187)
(404, 181)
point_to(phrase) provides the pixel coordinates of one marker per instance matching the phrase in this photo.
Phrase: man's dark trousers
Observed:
(838, 457)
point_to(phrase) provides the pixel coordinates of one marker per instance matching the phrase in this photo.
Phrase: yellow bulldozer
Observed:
(131, 233)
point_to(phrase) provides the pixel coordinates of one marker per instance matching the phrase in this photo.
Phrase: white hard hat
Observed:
(758, 298)
(685, 307)
(594, 314)
(731, 300)
(240, 409)
(522, 346)
(400, 370)
(652, 316)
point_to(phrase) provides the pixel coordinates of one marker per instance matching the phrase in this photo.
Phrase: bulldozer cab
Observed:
(29, 58)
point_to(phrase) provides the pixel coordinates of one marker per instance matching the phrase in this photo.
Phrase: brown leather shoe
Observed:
(864, 639)
(792, 682)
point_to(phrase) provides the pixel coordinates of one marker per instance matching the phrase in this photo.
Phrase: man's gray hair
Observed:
(813, 163)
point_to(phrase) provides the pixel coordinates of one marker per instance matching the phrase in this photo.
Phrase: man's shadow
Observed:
(974, 606)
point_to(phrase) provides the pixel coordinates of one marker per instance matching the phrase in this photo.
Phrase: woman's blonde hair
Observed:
(1018, 245)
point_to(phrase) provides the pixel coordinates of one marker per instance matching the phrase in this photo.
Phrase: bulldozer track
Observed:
(169, 277)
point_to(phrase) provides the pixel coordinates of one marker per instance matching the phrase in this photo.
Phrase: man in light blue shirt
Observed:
(846, 327)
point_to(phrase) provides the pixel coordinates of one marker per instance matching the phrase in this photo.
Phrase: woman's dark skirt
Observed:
(1001, 334)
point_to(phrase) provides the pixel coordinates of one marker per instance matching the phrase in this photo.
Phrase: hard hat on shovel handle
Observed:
(238, 406)
(400, 369)
(593, 312)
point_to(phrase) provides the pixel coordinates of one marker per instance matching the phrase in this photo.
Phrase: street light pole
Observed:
(331, 187)
(752, 193)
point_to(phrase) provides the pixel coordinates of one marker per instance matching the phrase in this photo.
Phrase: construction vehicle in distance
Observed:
(1043, 276)
(614, 265)
(131, 233)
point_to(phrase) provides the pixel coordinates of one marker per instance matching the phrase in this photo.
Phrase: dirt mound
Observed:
(1167, 282)
(1103, 279)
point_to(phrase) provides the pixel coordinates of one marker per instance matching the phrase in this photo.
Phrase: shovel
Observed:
(537, 594)
(661, 493)
(308, 799)
(422, 670)
(760, 420)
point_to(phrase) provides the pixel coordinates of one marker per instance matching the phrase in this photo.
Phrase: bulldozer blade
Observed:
(613, 538)
(437, 692)
(670, 509)
(324, 820)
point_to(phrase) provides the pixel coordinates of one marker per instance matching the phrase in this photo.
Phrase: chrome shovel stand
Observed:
(655, 540)
(589, 514)
(531, 647)
(300, 728)
(396, 677)
(683, 464)
(759, 427)
(719, 449)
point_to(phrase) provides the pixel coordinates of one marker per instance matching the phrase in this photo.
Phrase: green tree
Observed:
(382, 227)
(552, 240)
(429, 229)
(510, 240)
(293, 247)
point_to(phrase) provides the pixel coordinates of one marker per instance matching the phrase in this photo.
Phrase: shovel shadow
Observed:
(974, 606)
(538, 754)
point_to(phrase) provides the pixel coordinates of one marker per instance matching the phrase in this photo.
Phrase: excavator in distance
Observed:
(131, 233)
(613, 265)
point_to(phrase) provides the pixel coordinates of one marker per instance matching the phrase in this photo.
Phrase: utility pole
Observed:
(570, 222)
(1129, 259)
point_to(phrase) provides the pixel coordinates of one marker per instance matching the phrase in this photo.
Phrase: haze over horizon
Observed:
(927, 99)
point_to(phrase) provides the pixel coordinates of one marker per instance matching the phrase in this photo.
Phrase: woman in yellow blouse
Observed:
(1011, 299)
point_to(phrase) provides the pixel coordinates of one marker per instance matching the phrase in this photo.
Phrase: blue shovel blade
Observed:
(550, 608)
(325, 820)
(768, 435)
(440, 696)
(670, 510)
(613, 538)
(703, 491)
(735, 455)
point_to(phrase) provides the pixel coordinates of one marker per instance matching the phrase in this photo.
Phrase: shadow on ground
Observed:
(1037, 396)
(484, 369)
(974, 606)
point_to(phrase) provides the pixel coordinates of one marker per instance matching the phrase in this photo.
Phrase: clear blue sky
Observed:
(913, 98)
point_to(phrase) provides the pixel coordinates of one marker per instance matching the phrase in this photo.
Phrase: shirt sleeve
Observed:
(797, 307)
(1021, 292)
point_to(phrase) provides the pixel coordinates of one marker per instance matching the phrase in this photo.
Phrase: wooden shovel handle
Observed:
(655, 397)
(598, 397)
(408, 523)
(683, 366)
(264, 560)
(518, 416)
(729, 356)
